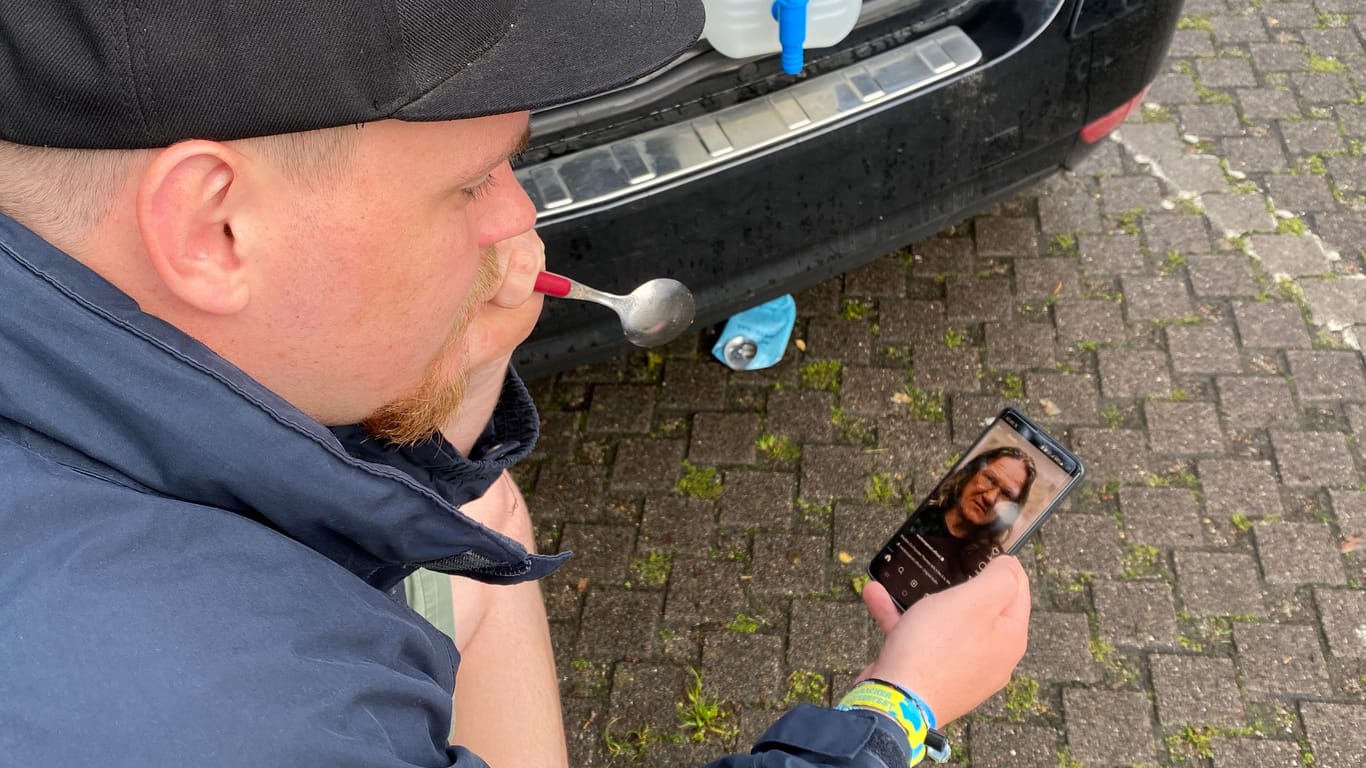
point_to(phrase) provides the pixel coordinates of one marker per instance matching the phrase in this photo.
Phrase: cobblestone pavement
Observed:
(1184, 311)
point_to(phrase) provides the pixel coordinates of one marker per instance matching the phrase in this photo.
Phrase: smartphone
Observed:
(990, 502)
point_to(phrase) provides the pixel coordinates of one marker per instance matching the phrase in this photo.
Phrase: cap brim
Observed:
(549, 58)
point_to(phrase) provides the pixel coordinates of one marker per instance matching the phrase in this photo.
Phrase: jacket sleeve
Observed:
(812, 737)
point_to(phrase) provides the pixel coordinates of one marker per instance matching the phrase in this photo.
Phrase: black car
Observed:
(746, 183)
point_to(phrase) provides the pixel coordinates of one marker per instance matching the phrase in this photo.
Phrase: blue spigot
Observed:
(791, 17)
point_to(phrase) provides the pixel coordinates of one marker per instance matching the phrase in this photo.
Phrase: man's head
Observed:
(1003, 474)
(312, 189)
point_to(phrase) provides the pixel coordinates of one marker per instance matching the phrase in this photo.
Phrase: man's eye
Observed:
(480, 190)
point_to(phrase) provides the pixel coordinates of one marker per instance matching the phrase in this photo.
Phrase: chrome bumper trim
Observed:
(600, 174)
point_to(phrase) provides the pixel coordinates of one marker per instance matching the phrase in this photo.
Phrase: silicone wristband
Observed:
(919, 702)
(891, 700)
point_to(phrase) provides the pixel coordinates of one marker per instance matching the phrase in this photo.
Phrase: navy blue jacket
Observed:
(193, 572)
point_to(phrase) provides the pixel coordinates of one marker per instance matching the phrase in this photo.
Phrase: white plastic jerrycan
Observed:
(743, 28)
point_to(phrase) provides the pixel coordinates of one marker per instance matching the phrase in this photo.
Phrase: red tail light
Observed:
(1097, 129)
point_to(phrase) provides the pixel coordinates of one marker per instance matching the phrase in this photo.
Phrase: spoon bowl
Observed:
(656, 312)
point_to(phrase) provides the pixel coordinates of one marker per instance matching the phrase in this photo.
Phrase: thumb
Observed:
(881, 606)
(996, 590)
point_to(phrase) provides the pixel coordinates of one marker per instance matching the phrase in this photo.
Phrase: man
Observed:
(265, 264)
(965, 522)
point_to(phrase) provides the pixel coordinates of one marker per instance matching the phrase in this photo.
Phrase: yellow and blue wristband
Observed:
(908, 710)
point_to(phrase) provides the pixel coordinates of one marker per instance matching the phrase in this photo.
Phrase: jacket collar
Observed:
(103, 384)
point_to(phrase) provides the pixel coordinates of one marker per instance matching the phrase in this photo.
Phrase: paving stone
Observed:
(938, 368)
(870, 390)
(568, 492)
(679, 525)
(840, 339)
(1208, 120)
(1343, 616)
(881, 277)
(1079, 544)
(1155, 298)
(1266, 104)
(619, 623)
(1108, 729)
(1111, 255)
(1256, 402)
(747, 664)
(1314, 458)
(1088, 320)
(1005, 236)
(1223, 73)
(758, 499)
(1126, 374)
(1059, 649)
(1252, 154)
(1300, 193)
(1172, 88)
(1202, 349)
(693, 385)
(1183, 428)
(943, 256)
(644, 463)
(1221, 275)
(1306, 137)
(1046, 278)
(1289, 255)
(1113, 454)
(860, 529)
(620, 408)
(1191, 42)
(1348, 173)
(704, 590)
(1019, 346)
(1197, 691)
(1244, 487)
(1124, 194)
(801, 414)
(1328, 376)
(826, 473)
(1335, 733)
(1338, 42)
(828, 635)
(1343, 231)
(1069, 212)
(914, 448)
(1263, 753)
(1278, 57)
(1239, 29)
(1219, 584)
(1236, 214)
(1013, 745)
(1161, 517)
(646, 694)
(1318, 88)
(601, 552)
(902, 321)
(788, 564)
(1271, 325)
(723, 438)
(1279, 659)
(1074, 395)
(1349, 508)
(1176, 232)
(1298, 553)
(978, 299)
(1135, 613)
(1336, 303)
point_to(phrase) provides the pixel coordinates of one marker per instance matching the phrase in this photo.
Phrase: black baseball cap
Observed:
(124, 74)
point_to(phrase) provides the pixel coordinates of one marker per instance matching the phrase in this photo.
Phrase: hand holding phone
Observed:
(957, 647)
(993, 499)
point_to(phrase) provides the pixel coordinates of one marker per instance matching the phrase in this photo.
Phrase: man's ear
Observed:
(185, 219)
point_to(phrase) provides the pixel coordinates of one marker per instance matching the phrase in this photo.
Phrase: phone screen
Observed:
(988, 504)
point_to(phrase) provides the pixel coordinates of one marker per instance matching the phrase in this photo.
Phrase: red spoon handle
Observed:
(552, 284)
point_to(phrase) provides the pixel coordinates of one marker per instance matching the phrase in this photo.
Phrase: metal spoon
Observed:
(655, 313)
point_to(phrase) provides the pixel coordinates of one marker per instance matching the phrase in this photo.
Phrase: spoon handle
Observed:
(552, 284)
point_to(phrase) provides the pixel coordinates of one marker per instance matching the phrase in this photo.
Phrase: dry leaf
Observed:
(801, 345)
(1349, 544)
(1057, 289)
(583, 584)
(846, 558)
(901, 398)
(1049, 407)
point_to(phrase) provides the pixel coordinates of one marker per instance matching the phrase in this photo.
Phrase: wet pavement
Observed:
(1184, 311)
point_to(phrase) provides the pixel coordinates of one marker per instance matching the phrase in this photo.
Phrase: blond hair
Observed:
(63, 193)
